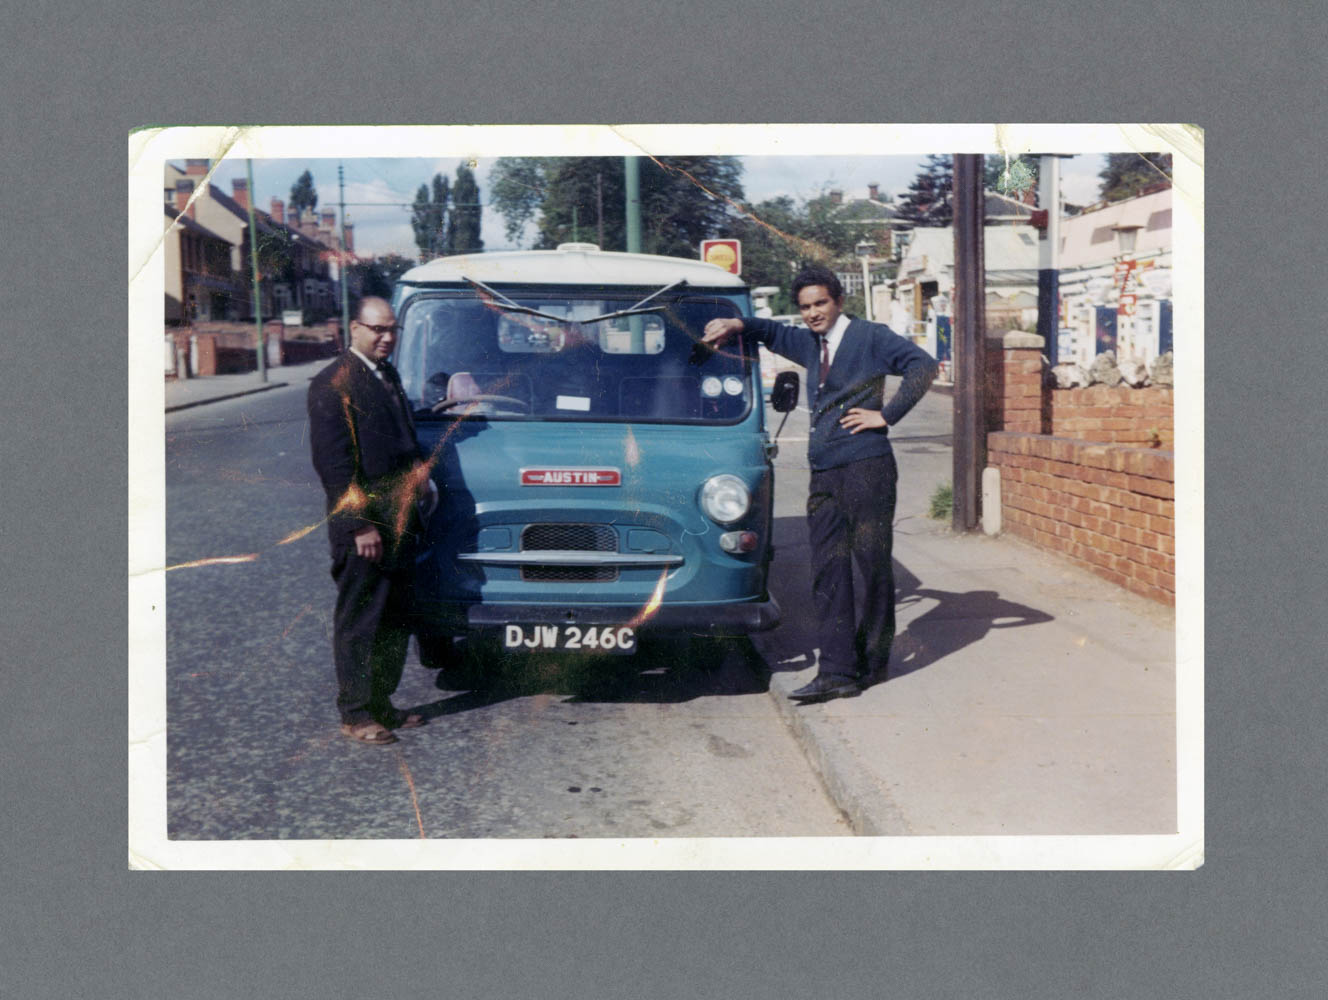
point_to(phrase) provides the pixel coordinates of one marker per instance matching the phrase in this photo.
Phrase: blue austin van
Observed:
(602, 475)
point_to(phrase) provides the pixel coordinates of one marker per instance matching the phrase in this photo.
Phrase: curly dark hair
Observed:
(815, 274)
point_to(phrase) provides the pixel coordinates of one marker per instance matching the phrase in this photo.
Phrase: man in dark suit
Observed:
(851, 500)
(365, 451)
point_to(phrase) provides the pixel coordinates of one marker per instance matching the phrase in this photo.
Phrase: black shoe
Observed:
(823, 687)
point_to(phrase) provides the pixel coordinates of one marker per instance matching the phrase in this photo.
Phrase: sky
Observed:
(379, 191)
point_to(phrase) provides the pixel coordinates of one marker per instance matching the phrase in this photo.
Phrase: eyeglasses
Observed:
(392, 328)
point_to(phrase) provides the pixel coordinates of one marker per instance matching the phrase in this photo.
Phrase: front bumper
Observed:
(692, 619)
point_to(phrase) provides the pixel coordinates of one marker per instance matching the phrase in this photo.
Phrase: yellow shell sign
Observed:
(725, 254)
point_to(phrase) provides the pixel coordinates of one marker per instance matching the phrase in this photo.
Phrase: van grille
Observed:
(576, 537)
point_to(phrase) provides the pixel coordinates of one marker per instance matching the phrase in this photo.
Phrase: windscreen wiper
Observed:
(638, 310)
(501, 301)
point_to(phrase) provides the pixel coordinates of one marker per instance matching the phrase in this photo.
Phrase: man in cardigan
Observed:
(851, 501)
(362, 437)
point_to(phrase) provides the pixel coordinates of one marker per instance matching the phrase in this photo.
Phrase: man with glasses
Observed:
(364, 448)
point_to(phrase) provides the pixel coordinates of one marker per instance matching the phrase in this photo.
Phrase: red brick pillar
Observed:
(207, 354)
(1025, 399)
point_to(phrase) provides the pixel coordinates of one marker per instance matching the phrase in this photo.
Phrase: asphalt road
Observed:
(642, 746)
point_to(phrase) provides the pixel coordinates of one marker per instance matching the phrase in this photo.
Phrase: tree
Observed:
(276, 254)
(463, 229)
(378, 275)
(927, 202)
(1011, 177)
(428, 218)
(303, 194)
(683, 200)
(779, 237)
(771, 245)
(518, 191)
(1127, 174)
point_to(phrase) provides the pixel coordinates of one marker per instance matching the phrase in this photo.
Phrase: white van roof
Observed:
(572, 264)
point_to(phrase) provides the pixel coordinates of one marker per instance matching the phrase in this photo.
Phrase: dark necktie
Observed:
(825, 359)
(393, 382)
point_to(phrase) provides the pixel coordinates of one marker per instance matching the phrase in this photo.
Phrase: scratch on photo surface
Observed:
(303, 611)
(414, 799)
(228, 140)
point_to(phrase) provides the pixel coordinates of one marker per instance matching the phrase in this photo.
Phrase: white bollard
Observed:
(991, 500)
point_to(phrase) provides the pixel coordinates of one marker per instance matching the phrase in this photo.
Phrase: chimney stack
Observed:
(196, 168)
(872, 192)
(183, 190)
(836, 196)
(350, 237)
(240, 192)
(328, 221)
(279, 211)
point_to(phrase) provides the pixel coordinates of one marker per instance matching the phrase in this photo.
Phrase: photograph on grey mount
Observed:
(663, 498)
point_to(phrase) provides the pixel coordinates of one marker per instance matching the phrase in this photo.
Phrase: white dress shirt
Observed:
(833, 336)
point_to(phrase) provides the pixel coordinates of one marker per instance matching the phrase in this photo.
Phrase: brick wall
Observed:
(1107, 507)
(1083, 471)
(226, 348)
(1119, 415)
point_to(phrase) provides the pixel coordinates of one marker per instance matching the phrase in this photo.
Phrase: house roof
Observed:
(192, 225)
(1090, 239)
(999, 206)
(1010, 251)
(867, 210)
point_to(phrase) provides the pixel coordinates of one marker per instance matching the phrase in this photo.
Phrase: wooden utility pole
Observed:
(970, 321)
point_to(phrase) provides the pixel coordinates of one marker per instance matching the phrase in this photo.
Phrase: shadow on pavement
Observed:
(959, 619)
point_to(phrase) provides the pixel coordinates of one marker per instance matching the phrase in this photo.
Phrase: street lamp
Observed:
(864, 252)
(1126, 237)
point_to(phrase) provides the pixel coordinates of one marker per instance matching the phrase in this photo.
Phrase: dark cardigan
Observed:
(867, 353)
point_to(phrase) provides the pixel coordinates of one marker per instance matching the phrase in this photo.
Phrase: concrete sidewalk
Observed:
(1024, 696)
(184, 393)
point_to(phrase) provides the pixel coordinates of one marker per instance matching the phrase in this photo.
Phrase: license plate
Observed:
(620, 639)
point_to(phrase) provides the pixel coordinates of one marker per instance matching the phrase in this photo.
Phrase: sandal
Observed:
(368, 732)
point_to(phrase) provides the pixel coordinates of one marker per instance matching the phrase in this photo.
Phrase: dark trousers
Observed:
(369, 634)
(850, 517)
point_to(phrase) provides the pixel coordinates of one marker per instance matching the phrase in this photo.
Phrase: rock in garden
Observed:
(1161, 371)
(1103, 370)
(1068, 375)
(1134, 373)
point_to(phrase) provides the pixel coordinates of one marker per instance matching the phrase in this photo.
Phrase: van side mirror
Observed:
(784, 395)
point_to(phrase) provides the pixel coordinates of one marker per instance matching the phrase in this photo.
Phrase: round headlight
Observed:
(725, 498)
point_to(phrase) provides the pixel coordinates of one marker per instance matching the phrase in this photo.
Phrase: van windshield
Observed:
(561, 355)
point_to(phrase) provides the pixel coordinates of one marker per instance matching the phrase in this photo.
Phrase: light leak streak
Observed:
(414, 799)
(215, 561)
(652, 605)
